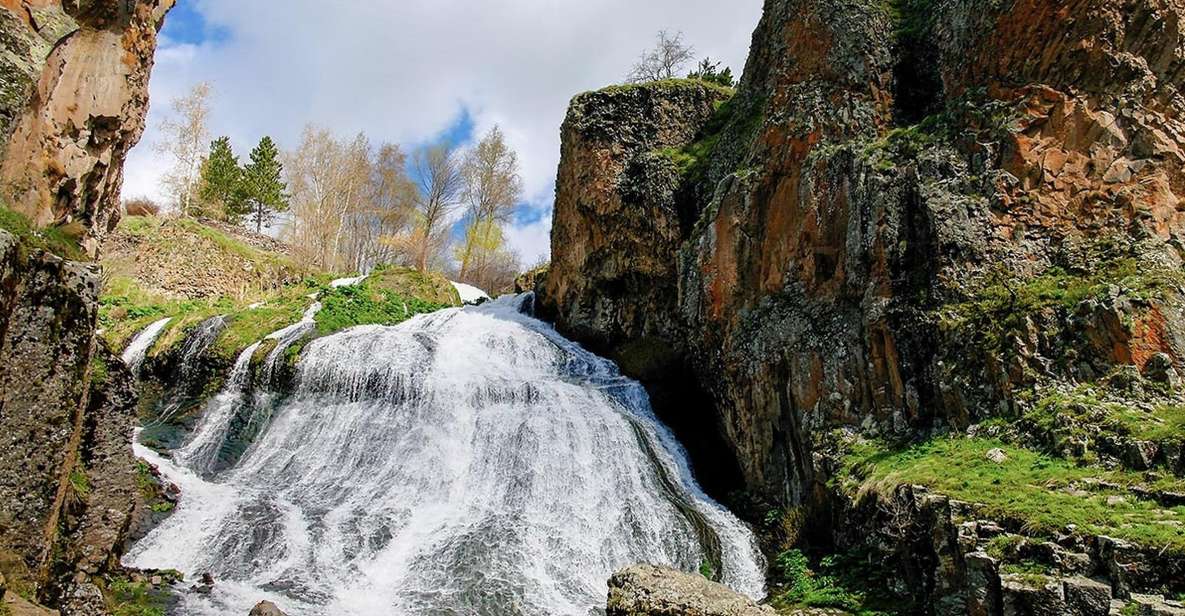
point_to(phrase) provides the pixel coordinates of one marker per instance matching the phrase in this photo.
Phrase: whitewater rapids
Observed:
(467, 462)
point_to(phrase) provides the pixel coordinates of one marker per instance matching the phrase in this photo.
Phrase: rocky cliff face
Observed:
(68, 489)
(72, 103)
(917, 216)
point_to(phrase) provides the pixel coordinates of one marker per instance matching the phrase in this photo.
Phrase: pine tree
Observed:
(263, 187)
(221, 185)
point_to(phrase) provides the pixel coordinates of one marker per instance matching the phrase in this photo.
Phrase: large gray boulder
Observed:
(646, 590)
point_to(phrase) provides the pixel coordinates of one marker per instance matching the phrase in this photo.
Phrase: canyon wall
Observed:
(831, 228)
(912, 218)
(72, 103)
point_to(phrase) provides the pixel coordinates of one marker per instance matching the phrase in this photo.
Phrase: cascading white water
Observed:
(467, 462)
(137, 349)
(201, 452)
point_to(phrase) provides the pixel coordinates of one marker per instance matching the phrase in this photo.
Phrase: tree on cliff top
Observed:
(262, 183)
(665, 61)
(186, 136)
(221, 186)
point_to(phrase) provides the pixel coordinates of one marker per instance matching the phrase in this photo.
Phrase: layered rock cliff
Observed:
(913, 218)
(72, 103)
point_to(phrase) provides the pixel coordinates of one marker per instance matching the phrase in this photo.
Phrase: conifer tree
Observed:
(221, 186)
(262, 184)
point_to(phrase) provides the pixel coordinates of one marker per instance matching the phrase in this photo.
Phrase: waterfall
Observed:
(137, 349)
(467, 462)
(201, 452)
(193, 348)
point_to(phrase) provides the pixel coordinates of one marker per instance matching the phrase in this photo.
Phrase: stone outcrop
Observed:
(68, 493)
(73, 96)
(48, 309)
(646, 590)
(72, 103)
(266, 608)
(904, 223)
(831, 239)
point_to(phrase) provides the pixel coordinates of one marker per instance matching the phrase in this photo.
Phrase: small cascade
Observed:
(471, 461)
(137, 350)
(287, 337)
(200, 454)
(196, 345)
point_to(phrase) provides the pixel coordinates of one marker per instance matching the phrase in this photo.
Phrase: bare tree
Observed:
(187, 136)
(493, 187)
(665, 61)
(438, 170)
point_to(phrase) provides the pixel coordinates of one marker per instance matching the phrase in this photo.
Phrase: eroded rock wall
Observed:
(72, 103)
(880, 171)
(73, 95)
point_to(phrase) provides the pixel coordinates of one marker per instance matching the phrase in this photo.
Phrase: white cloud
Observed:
(402, 70)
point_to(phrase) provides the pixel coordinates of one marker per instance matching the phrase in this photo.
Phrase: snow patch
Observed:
(470, 294)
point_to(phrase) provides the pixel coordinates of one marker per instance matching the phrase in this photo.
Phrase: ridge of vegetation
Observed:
(1043, 494)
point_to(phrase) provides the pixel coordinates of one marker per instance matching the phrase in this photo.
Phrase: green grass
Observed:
(367, 304)
(1043, 494)
(126, 309)
(127, 598)
(50, 239)
(1087, 404)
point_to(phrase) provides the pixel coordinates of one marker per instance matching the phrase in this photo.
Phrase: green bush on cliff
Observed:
(832, 584)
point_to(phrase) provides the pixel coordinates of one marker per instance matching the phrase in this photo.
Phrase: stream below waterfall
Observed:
(467, 462)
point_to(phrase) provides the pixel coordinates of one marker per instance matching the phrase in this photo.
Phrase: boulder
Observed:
(1087, 597)
(266, 608)
(646, 590)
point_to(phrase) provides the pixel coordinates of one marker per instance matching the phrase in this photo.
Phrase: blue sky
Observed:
(408, 71)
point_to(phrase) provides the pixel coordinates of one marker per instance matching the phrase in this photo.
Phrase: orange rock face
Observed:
(878, 181)
(63, 157)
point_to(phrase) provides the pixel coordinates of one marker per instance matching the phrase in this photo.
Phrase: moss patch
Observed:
(1043, 494)
(52, 239)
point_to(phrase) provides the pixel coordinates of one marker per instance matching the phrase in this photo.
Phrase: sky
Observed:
(409, 71)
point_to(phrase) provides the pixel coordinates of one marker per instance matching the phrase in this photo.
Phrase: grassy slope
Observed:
(389, 296)
(1043, 493)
